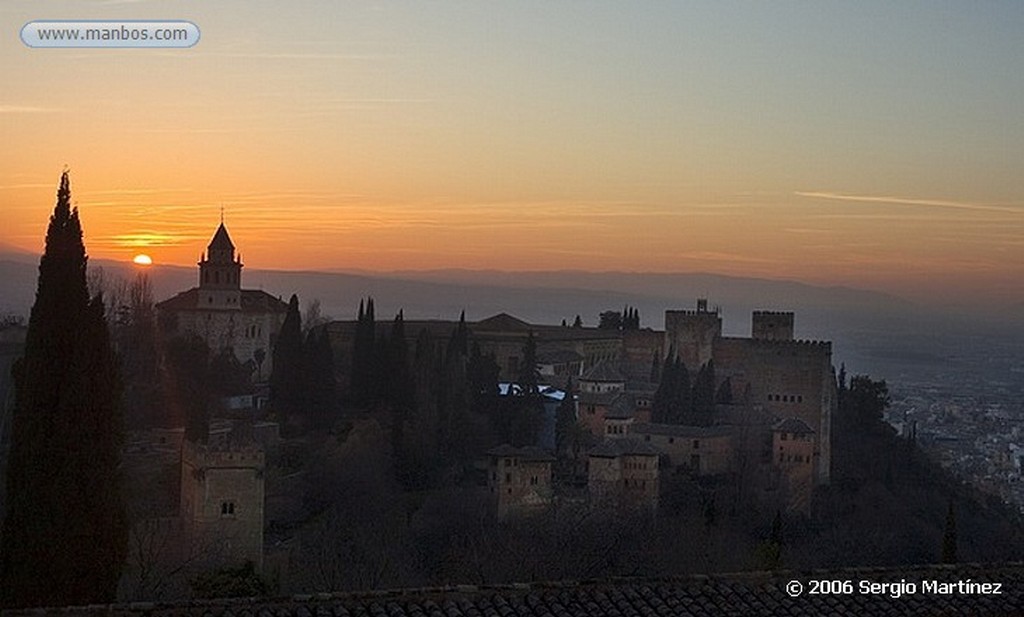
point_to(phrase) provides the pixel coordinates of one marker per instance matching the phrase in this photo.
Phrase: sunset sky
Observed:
(870, 144)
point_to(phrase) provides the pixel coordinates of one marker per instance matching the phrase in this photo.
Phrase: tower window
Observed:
(227, 508)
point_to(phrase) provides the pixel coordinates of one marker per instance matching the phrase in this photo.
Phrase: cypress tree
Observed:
(320, 385)
(565, 421)
(286, 380)
(188, 392)
(949, 536)
(65, 535)
(364, 356)
(400, 393)
(703, 401)
(724, 394)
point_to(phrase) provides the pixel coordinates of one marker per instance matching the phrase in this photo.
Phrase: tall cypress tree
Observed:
(949, 536)
(287, 381)
(65, 535)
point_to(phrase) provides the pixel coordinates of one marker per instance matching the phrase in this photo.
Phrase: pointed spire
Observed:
(221, 240)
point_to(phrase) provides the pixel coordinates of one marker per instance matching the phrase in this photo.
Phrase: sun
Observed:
(142, 260)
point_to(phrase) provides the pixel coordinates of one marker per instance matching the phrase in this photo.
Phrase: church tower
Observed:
(220, 274)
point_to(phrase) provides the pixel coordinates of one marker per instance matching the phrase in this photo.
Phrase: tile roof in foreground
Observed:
(742, 594)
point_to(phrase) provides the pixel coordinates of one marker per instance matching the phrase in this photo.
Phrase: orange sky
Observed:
(782, 145)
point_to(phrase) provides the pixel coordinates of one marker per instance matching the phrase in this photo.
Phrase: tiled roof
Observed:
(793, 425)
(502, 322)
(622, 407)
(681, 430)
(558, 356)
(526, 453)
(252, 300)
(604, 371)
(623, 446)
(752, 594)
(597, 398)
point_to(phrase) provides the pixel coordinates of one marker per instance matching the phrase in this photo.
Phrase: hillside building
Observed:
(623, 472)
(519, 479)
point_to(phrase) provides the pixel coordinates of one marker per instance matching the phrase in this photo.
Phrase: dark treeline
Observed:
(888, 505)
(303, 387)
(439, 399)
(627, 319)
(678, 401)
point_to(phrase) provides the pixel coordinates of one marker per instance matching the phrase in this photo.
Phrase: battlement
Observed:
(223, 455)
(691, 312)
(796, 343)
(772, 325)
(702, 309)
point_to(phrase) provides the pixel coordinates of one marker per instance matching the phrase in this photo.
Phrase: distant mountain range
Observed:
(856, 320)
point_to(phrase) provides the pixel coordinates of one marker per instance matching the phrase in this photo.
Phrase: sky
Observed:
(871, 144)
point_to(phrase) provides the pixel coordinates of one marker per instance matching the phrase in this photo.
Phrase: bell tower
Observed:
(220, 274)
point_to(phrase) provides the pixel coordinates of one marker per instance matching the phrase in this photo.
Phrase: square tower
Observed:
(222, 494)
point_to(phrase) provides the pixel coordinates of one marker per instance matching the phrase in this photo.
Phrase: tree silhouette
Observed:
(287, 388)
(64, 538)
(949, 536)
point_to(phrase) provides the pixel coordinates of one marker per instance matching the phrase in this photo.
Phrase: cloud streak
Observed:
(26, 109)
(904, 201)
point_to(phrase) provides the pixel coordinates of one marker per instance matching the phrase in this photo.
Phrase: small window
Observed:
(800, 398)
(696, 444)
(508, 477)
(671, 439)
(227, 508)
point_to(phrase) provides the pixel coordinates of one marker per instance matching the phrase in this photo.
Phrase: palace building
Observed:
(222, 313)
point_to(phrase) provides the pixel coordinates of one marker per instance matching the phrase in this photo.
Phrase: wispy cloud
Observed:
(904, 201)
(14, 187)
(135, 192)
(27, 109)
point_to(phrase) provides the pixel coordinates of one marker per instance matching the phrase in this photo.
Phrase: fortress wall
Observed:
(772, 325)
(786, 379)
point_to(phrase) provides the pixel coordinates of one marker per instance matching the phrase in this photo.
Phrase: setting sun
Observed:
(142, 260)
